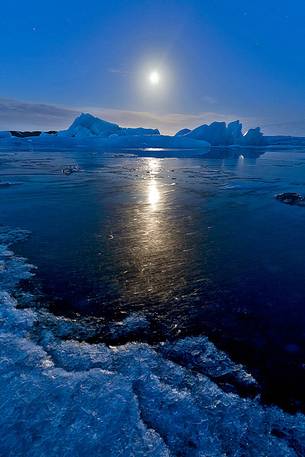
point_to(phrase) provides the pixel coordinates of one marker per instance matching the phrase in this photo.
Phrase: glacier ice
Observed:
(87, 125)
(253, 137)
(220, 134)
(112, 142)
(234, 132)
(182, 132)
(215, 133)
(61, 396)
(90, 132)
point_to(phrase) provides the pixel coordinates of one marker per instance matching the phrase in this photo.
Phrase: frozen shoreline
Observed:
(61, 396)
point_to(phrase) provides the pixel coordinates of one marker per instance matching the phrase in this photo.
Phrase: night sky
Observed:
(218, 60)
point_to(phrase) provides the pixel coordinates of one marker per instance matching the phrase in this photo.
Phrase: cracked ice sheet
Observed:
(70, 398)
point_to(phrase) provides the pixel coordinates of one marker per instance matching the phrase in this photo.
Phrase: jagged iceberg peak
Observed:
(87, 125)
(253, 137)
(234, 131)
(215, 133)
(183, 132)
(221, 134)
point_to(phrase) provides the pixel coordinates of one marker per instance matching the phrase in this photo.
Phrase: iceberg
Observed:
(88, 132)
(182, 132)
(234, 132)
(220, 134)
(111, 143)
(87, 125)
(215, 133)
(253, 137)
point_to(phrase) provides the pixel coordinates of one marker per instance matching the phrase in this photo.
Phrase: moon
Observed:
(154, 78)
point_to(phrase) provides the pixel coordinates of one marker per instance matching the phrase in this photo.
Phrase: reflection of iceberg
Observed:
(235, 153)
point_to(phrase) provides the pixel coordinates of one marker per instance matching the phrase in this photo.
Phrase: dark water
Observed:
(197, 244)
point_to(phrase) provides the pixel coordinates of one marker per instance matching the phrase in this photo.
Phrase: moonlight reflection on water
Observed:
(153, 240)
(195, 244)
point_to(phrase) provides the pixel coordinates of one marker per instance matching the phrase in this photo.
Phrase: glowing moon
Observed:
(154, 78)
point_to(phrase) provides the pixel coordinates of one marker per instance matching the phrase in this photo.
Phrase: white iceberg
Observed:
(220, 134)
(87, 125)
(215, 133)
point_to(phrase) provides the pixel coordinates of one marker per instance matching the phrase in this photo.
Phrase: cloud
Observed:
(118, 71)
(209, 99)
(20, 115)
(294, 128)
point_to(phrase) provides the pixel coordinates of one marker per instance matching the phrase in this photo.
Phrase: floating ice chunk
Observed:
(87, 125)
(132, 324)
(13, 269)
(200, 354)
(234, 132)
(215, 133)
(218, 134)
(253, 137)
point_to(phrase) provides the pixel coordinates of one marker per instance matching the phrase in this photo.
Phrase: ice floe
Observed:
(61, 396)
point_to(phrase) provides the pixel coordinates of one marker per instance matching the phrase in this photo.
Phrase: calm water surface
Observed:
(197, 244)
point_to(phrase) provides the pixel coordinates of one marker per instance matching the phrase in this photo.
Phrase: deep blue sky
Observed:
(219, 59)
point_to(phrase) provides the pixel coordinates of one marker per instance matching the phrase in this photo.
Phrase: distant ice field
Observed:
(165, 308)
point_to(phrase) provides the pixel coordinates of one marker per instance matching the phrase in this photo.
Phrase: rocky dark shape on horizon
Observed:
(26, 134)
(291, 198)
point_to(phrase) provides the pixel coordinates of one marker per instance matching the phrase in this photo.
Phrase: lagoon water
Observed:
(196, 244)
